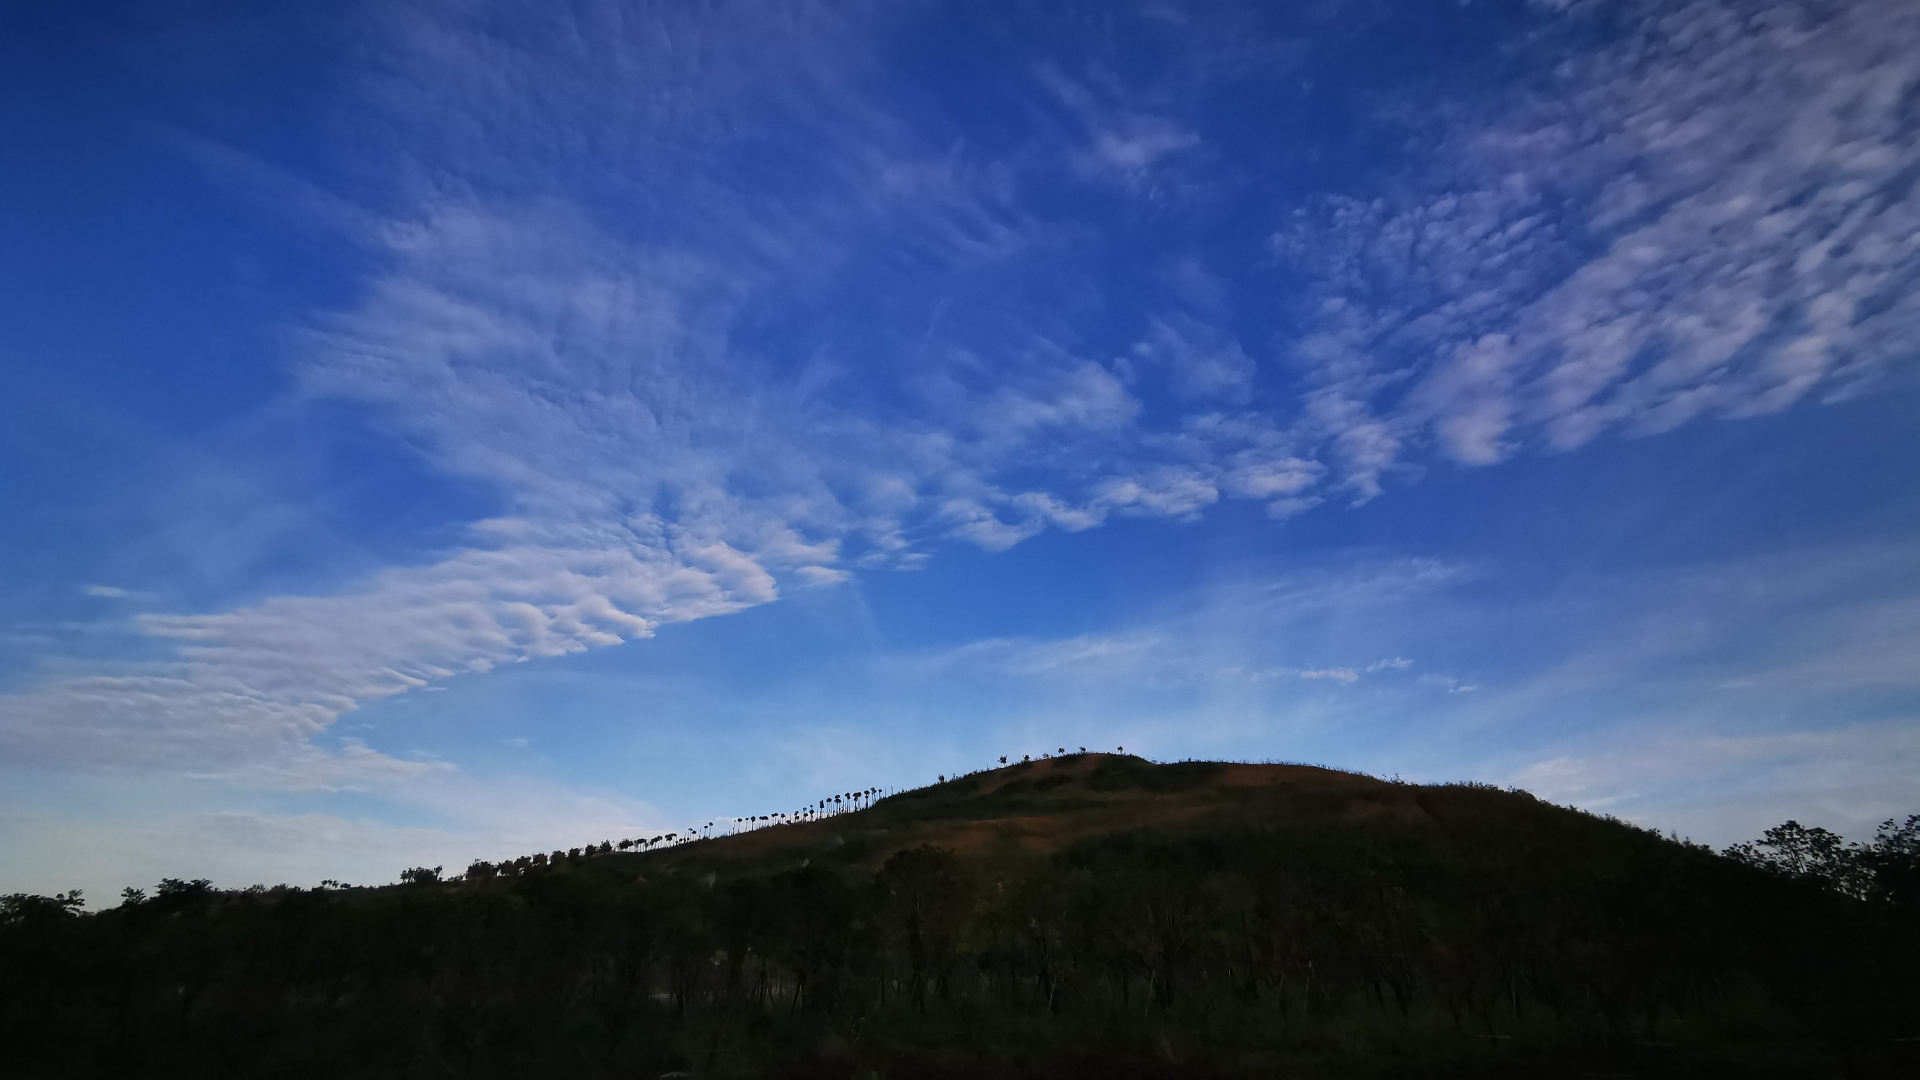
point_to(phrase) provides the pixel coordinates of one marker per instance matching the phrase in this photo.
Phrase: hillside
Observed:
(1043, 806)
(1082, 915)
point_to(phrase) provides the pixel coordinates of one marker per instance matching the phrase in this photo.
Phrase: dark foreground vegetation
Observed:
(1089, 915)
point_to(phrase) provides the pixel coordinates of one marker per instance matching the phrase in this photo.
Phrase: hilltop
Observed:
(1043, 807)
(1088, 914)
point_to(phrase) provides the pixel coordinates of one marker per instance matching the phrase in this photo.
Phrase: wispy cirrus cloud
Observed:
(1265, 632)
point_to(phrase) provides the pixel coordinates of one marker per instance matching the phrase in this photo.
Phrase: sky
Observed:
(436, 431)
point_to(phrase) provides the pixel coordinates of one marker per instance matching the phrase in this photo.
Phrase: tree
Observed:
(1793, 850)
(925, 898)
(1893, 860)
(31, 908)
(176, 891)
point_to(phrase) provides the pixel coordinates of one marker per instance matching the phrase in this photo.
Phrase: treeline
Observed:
(1884, 871)
(1514, 938)
(485, 870)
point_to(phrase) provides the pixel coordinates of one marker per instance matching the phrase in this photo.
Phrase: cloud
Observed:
(114, 592)
(1096, 656)
(1726, 787)
(255, 684)
(1139, 141)
(1121, 141)
(656, 463)
(1258, 474)
(1248, 631)
(1168, 490)
(822, 575)
(980, 525)
(1200, 363)
(1711, 215)
(690, 389)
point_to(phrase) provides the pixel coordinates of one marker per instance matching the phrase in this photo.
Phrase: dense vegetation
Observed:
(1085, 915)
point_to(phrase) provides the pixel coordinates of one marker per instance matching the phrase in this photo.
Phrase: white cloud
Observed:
(1723, 788)
(1363, 443)
(1243, 633)
(1710, 216)
(1200, 364)
(1169, 490)
(1080, 395)
(254, 685)
(114, 592)
(1256, 474)
(1139, 141)
(823, 575)
(1282, 509)
(1122, 142)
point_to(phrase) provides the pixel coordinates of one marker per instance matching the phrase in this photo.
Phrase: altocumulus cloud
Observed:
(1711, 216)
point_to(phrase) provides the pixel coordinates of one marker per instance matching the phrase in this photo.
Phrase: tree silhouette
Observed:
(1259, 938)
(1893, 860)
(34, 909)
(1815, 854)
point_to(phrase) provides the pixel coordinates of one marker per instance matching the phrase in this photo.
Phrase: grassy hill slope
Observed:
(1044, 806)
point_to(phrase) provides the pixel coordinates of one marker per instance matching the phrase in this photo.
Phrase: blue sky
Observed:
(438, 431)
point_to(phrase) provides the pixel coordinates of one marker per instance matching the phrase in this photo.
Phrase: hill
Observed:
(1042, 807)
(1089, 914)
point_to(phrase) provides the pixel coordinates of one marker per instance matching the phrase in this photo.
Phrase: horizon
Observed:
(830, 808)
(429, 428)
